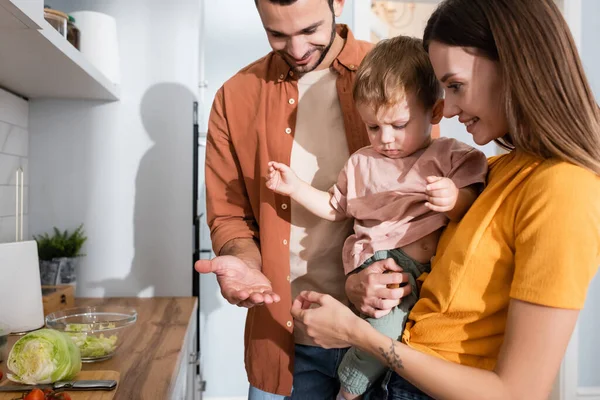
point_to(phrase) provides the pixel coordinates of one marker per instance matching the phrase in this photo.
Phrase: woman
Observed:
(496, 313)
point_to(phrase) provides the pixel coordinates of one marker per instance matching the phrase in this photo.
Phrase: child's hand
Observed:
(442, 194)
(281, 179)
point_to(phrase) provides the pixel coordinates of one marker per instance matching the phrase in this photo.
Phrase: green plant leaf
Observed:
(60, 244)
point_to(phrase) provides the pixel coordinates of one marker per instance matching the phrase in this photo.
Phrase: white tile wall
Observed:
(14, 110)
(14, 153)
(17, 140)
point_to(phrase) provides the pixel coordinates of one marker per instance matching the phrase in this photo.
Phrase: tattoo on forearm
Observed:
(392, 359)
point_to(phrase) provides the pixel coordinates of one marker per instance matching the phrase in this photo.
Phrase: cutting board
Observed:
(77, 395)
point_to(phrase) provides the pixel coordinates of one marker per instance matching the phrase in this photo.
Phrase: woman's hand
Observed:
(368, 289)
(329, 323)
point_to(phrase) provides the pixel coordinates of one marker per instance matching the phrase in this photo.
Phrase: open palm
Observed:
(240, 284)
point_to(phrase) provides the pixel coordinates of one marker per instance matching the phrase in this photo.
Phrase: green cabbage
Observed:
(43, 356)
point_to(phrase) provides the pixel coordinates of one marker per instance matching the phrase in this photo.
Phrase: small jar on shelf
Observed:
(57, 19)
(73, 33)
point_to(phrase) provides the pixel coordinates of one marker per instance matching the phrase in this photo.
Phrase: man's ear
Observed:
(437, 112)
(338, 7)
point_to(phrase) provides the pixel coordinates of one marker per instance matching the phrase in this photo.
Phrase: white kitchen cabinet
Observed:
(37, 62)
(186, 386)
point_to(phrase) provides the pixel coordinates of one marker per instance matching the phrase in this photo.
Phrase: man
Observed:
(293, 106)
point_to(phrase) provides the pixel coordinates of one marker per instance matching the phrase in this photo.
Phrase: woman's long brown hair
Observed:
(550, 108)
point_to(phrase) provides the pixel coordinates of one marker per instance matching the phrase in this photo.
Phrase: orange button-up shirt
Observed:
(252, 122)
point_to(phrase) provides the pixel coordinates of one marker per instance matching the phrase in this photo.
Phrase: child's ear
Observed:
(437, 112)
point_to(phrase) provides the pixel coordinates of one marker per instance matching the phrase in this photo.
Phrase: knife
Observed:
(64, 385)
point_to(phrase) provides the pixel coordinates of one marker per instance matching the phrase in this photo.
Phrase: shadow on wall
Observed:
(162, 217)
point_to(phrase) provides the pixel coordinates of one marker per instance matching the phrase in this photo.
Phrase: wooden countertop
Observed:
(149, 358)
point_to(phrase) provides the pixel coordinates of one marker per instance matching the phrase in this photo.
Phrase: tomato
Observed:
(35, 394)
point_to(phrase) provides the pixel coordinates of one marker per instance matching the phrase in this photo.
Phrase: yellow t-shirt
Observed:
(533, 235)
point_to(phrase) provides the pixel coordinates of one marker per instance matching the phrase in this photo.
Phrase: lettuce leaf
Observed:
(94, 346)
(43, 356)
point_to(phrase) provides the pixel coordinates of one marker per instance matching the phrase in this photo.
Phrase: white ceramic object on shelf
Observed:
(99, 42)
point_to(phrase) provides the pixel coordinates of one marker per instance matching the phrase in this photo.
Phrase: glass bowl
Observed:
(4, 332)
(98, 331)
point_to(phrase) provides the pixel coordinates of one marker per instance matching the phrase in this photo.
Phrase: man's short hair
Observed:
(394, 68)
(288, 2)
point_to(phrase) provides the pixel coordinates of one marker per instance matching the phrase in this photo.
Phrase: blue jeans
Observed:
(315, 375)
(394, 387)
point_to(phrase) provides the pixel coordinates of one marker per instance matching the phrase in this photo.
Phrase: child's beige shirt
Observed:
(386, 197)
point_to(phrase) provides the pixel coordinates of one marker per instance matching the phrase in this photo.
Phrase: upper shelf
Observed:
(37, 62)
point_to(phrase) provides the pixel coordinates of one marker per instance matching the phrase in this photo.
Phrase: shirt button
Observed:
(281, 76)
(291, 101)
(291, 73)
(289, 324)
(284, 206)
(288, 130)
(284, 241)
(288, 278)
(352, 66)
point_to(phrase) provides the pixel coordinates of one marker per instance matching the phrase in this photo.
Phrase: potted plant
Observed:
(59, 255)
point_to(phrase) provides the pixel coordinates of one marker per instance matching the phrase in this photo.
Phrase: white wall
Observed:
(14, 150)
(124, 169)
(589, 322)
(222, 325)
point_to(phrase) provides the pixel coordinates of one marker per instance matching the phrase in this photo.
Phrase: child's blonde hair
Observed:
(394, 68)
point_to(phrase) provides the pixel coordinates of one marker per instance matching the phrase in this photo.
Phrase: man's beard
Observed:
(301, 68)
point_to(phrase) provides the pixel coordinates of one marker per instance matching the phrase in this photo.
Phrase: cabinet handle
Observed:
(194, 358)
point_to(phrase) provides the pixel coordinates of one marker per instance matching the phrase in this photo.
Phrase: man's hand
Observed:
(282, 179)
(372, 291)
(240, 284)
(442, 194)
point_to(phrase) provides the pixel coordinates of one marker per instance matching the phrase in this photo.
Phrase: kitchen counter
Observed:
(153, 356)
